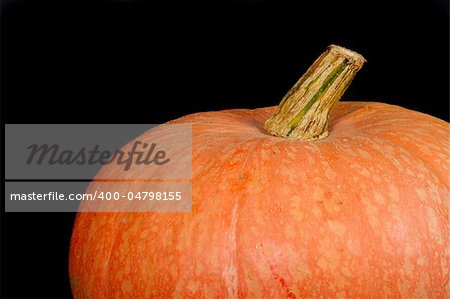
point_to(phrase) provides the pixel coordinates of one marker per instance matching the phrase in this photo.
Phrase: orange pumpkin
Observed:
(363, 212)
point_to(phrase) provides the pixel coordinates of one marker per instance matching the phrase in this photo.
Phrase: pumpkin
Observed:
(347, 199)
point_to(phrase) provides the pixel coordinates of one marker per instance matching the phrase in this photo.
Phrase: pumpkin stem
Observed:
(304, 111)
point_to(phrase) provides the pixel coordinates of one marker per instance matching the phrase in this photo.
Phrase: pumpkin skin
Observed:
(363, 212)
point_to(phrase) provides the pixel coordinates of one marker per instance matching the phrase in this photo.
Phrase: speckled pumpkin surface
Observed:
(364, 212)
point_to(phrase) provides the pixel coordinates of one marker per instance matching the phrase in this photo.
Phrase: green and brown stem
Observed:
(304, 111)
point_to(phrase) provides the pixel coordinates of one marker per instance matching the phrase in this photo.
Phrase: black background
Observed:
(135, 62)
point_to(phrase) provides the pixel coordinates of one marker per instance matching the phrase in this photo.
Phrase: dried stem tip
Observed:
(304, 111)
